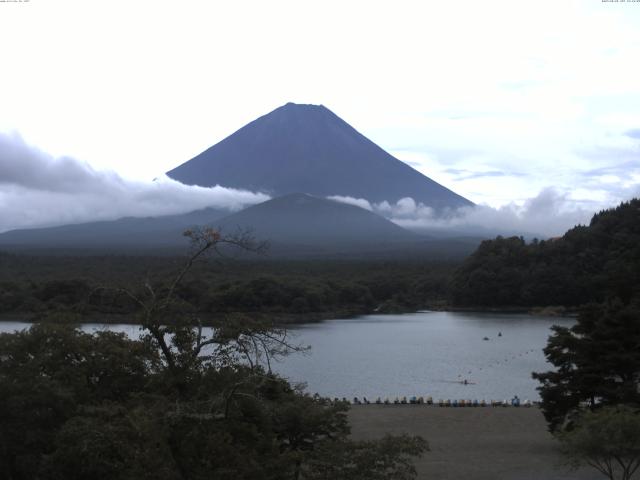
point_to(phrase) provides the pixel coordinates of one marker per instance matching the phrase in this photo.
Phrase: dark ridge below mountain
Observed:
(147, 232)
(307, 148)
(300, 219)
(297, 226)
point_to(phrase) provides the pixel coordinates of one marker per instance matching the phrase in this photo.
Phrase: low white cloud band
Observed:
(548, 214)
(37, 189)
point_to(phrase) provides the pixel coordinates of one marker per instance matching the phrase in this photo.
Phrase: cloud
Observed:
(358, 202)
(37, 189)
(548, 214)
(619, 168)
(619, 154)
(462, 174)
(444, 155)
(633, 133)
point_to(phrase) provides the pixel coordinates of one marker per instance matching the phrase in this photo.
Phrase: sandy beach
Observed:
(502, 443)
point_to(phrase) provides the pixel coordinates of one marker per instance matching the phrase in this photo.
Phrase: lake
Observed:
(425, 353)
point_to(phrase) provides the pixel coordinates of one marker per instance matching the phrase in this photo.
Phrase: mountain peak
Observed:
(296, 197)
(306, 106)
(301, 113)
(308, 148)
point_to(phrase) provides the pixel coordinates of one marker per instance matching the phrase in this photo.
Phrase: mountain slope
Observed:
(307, 148)
(295, 225)
(165, 231)
(300, 219)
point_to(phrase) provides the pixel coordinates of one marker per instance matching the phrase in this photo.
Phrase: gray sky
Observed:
(501, 101)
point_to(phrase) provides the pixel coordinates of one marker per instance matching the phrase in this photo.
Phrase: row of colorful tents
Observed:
(514, 402)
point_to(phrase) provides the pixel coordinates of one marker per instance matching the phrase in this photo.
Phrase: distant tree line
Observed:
(46, 287)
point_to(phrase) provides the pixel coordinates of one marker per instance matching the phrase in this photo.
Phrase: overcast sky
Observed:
(501, 101)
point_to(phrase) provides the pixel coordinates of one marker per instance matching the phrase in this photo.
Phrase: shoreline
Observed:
(284, 319)
(547, 311)
(279, 319)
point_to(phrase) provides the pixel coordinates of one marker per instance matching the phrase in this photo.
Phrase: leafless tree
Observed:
(181, 337)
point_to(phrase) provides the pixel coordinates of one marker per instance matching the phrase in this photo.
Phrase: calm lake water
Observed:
(426, 353)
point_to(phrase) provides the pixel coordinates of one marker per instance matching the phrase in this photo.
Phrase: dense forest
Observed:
(587, 264)
(50, 287)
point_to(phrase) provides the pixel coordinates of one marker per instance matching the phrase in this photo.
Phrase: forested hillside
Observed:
(44, 287)
(587, 264)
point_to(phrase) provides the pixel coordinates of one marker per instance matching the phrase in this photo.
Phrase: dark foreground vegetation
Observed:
(174, 404)
(101, 406)
(597, 363)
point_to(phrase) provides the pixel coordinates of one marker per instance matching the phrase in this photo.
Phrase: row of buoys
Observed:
(514, 402)
(498, 362)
